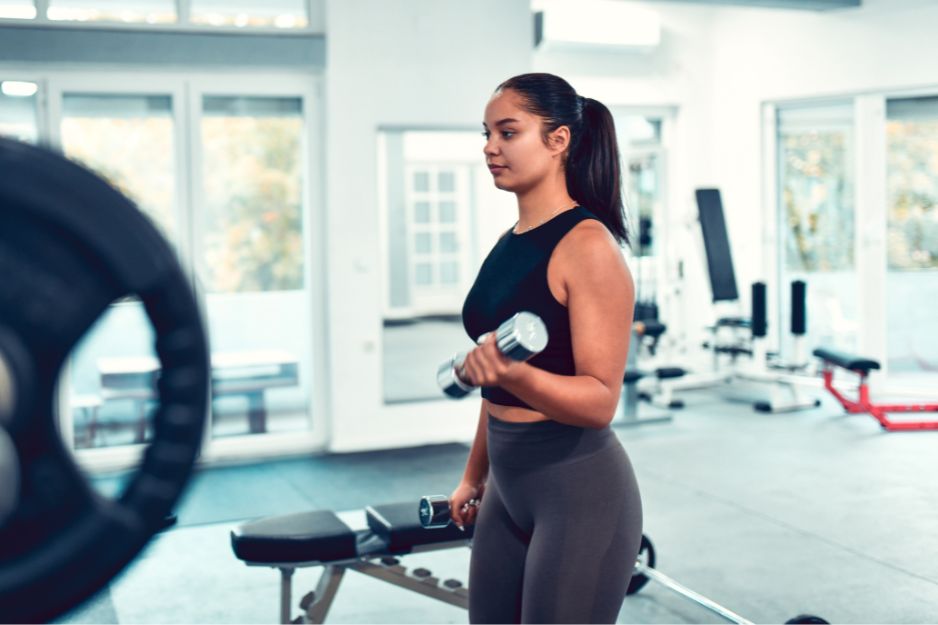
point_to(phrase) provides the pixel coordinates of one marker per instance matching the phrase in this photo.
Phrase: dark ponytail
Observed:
(592, 169)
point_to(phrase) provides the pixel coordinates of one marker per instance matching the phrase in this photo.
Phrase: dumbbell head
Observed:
(449, 381)
(522, 336)
(435, 511)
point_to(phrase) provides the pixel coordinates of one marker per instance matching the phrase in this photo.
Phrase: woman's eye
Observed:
(486, 134)
(508, 134)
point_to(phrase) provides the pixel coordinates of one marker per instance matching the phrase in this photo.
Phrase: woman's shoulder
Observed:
(589, 232)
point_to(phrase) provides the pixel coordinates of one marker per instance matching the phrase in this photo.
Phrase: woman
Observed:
(558, 528)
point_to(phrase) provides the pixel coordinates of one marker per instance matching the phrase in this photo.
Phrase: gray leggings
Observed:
(558, 529)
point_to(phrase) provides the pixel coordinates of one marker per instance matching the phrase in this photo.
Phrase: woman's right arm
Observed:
(477, 469)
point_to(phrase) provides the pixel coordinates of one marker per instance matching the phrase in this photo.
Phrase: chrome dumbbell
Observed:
(435, 511)
(519, 338)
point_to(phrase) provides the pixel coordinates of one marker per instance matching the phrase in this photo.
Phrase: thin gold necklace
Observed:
(544, 221)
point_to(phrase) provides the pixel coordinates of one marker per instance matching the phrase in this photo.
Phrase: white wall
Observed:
(420, 63)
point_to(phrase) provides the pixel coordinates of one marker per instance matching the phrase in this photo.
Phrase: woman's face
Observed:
(514, 148)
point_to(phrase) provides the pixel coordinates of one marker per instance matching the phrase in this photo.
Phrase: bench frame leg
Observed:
(286, 586)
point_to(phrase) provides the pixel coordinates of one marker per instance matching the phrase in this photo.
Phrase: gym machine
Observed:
(750, 374)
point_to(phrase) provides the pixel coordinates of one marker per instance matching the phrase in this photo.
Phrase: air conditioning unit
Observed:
(595, 24)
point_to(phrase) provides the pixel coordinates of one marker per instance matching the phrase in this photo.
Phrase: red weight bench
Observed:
(862, 367)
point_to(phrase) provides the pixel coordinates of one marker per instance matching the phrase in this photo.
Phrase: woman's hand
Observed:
(486, 365)
(464, 503)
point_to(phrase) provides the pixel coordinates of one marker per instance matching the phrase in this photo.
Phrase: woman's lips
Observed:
(496, 168)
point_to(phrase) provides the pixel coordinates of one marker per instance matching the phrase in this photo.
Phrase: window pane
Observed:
(18, 114)
(423, 243)
(643, 195)
(422, 212)
(421, 181)
(446, 181)
(447, 212)
(129, 140)
(278, 13)
(912, 234)
(148, 11)
(18, 9)
(251, 170)
(448, 242)
(816, 220)
(423, 274)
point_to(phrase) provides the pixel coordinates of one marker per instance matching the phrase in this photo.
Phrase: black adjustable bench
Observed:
(322, 538)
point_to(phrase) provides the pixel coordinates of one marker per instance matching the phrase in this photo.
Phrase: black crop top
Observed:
(513, 278)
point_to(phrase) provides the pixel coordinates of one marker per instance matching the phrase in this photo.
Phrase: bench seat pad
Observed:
(318, 535)
(845, 360)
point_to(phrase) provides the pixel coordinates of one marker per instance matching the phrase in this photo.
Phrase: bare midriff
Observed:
(516, 414)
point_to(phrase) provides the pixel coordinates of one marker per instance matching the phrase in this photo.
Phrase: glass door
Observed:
(129, 138)
(251, 259)
(816, 222)
(911, 238)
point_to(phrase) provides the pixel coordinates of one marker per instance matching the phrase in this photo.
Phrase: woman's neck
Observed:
(537, 205)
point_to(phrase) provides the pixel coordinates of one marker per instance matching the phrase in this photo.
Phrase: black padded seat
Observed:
(667, 373)
(633, 375)
(734, 322)
(398, 525)
(845, 360)
(317, 536)
(733, 350)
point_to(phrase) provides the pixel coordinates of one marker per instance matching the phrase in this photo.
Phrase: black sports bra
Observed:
(513, 278)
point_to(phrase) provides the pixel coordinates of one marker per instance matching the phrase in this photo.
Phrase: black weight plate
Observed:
(646, 555)
(72, 245)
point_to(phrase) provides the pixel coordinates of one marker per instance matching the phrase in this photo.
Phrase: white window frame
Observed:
(315, 11)
(187, 90)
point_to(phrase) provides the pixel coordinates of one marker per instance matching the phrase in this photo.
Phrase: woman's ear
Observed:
(559, 140)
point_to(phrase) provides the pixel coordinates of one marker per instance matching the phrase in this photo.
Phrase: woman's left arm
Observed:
(600, 301)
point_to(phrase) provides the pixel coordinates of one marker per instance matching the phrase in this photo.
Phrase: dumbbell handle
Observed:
(435, 511)
(522, 336)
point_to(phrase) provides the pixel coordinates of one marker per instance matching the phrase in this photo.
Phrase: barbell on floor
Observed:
(645, 571)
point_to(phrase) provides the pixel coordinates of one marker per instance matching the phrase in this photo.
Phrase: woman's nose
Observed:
(489, 148)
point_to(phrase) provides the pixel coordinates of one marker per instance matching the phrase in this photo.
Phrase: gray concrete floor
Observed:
(770, 515)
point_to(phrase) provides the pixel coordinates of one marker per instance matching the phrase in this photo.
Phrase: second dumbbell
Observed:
(435, 511)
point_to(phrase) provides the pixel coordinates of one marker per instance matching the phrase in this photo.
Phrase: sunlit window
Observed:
(13, 9)
(241, 13)
(129, 11)
(912, 233)
(251, 168)
(18, 116)
(817, 219)
(129, 140)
